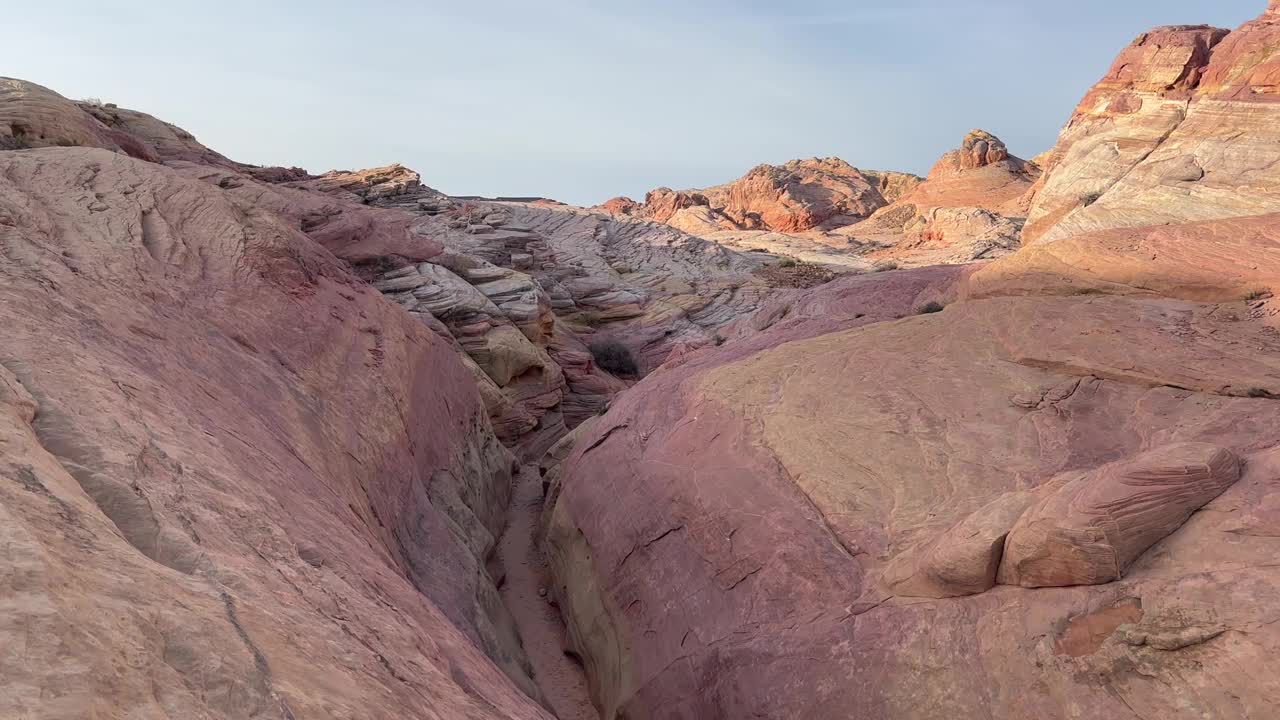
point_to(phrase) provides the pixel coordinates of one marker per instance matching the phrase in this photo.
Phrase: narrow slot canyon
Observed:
(525, 592)
(995, 441)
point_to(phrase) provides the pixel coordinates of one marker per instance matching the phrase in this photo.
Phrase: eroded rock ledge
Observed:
(1077, 529)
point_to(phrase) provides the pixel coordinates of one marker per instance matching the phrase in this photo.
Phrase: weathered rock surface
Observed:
(258, 427)
(980, 173)
(736, 517)
(1096, 525)
(375, 185)
(1181, 129)
(963, 560)
(892, 185)
(235, 482)
(1213, 261)
(970, 207)
(948, 236)
(797, 196)
(828, 212)
(519, 299)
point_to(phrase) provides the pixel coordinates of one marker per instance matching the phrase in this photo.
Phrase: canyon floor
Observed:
(1000, 442)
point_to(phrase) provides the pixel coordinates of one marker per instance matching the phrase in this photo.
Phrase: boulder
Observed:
(1096, 525)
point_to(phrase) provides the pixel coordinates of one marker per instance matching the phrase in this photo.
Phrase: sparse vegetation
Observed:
(794, 274)
(884, 266)
(933, 306)
(96, 102)
(615, 357)
(1258, 393)
(718, 339)
(1091, 198)
(1258, 294)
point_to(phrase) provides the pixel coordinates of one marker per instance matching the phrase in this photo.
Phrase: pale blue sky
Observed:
(582, 101)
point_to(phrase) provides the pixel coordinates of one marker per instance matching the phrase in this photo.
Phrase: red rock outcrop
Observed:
(235, 482)
(978, 150)
(979, 174)
(731, 519)
(620, 206)
(970, 207)
(892, 185)
(1172, 134)
(371, 186)
(797, 196)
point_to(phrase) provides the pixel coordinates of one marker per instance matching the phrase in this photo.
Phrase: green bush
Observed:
(615, 357)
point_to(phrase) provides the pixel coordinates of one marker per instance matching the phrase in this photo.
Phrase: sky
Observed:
(582, 101)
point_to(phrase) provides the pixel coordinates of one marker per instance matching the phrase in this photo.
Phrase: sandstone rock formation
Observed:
(263, 432)
(963, 560)
(1174, 133)
(734, 518)
(1214, 261)
(378, 428)
(1094, 526)
(236, 482)
(970, 207)
(857, 495)
(797, 196)
(800, 195)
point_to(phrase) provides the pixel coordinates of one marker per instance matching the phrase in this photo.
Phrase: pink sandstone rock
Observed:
(1091, 529)
(236, 482)
(734, 519)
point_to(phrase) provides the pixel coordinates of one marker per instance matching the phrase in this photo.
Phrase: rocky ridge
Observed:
(970, 207)
(1044, 486)
(265, 431)
(172, 269)
(1180, 130)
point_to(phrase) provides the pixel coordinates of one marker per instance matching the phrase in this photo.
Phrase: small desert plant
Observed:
(884, 267)
(933, 306)
(613, 356)
(1091, 198)
(1258, 393)
(718, 339)
(96, 102)
(787, 263)
(1257, 295)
